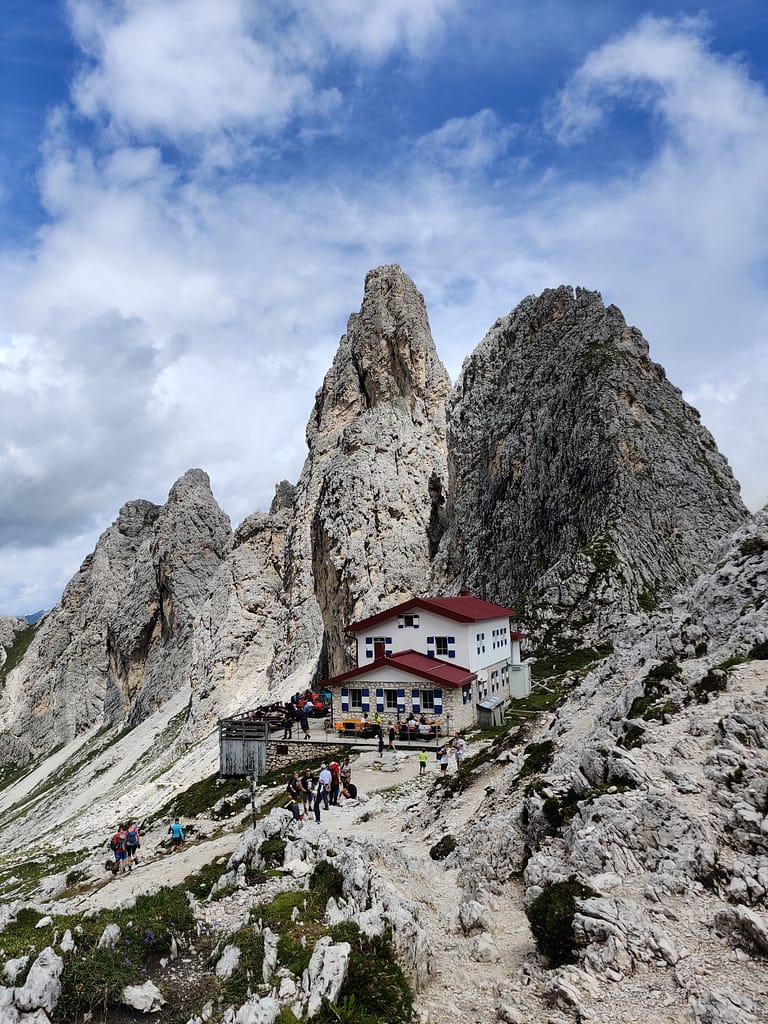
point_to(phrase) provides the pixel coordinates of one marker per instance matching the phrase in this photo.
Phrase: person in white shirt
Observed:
(323, 789)
(459, 750)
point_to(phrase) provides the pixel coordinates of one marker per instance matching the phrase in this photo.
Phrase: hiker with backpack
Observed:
(177, 835)
(117, 845)
(132, 844)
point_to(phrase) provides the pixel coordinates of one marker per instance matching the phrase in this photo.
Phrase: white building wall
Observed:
(403, 638)
(488, 643)
(474, 645)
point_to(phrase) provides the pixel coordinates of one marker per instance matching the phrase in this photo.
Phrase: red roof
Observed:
(464, 608)
(415, 663)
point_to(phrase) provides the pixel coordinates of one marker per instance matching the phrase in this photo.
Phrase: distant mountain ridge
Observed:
(563, 471)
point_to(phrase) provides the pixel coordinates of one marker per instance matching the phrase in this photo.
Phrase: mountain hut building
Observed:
(437, 657)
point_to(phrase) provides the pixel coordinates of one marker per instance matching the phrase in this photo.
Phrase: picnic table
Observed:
(355, 726)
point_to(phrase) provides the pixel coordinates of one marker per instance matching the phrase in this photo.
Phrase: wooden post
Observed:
(253, 795)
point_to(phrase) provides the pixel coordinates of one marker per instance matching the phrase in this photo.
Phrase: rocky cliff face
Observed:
(370, 496)
(360, 527)
(120, 641)
(578, 475)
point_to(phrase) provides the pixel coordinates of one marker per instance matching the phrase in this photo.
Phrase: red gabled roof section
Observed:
(464, 608)
(443, 673)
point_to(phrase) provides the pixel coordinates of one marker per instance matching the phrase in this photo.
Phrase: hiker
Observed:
(324, 780)
(349, 791)
(307, 790)
(442, 756)
(459, 750)
(177, 835)
(423, 762)
(335, 770)
(319, 794)
(117, 846)
(392, 735)
(380, 734)
(345, 773)
(288, 723)
(132, 844)
(304, 721)
(295, 797)
(377, 719)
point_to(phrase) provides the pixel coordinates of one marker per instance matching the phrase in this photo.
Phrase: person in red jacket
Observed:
(335, 770)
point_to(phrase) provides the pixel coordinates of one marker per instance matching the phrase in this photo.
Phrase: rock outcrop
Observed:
(369, 498)
(120, 641)
(648, 812)
(361, 526)
(578, 475)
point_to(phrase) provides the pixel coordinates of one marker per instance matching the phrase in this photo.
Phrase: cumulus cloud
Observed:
(185, 69)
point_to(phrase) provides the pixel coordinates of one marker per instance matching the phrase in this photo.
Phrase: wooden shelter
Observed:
(242, 746)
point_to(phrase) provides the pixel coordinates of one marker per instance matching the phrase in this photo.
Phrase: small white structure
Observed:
(437, 656)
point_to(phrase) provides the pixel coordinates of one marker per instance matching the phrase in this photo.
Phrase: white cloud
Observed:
(376, 27)
(187, 69)
(468, 143)
(184, 68)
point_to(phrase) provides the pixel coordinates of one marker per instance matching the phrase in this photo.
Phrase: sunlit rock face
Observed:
(577, 474)
(119, 642)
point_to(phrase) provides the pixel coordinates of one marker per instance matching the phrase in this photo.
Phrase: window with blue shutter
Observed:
(344, 699)
(366, 700)
(438, 702)
(401, 700)
(379, 699)
(416, 700)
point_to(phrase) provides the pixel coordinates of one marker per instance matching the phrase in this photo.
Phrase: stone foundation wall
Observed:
(284, 753)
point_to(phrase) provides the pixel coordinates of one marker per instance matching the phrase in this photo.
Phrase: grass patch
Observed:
(538, 758)
(283, 774)
(753, 546)
(522, 709)
(11, 773)
(375, 990)
(296, 937)
(16, 651)
(714, 682)
(551, 919)
(293, 955)
(247, 976)
(200, 796)
(272, 853)
(326, 880)
(92, 978)
(654, 703)
(29, 870)
(201, 882)
(568, 658)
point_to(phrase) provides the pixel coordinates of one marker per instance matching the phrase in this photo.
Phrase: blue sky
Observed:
(192, 193)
